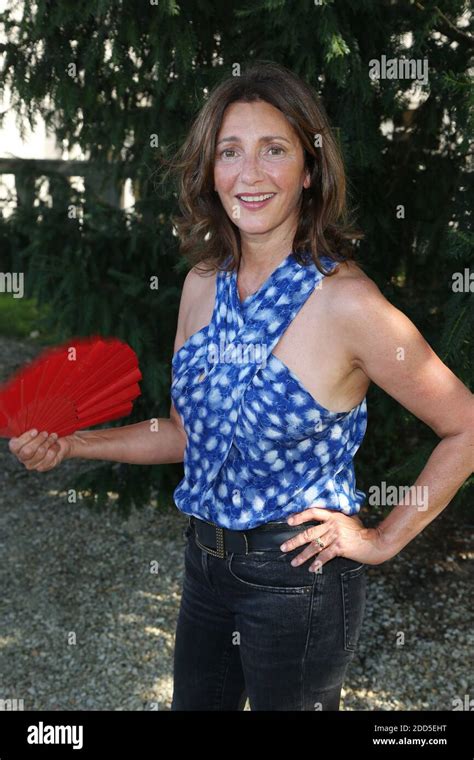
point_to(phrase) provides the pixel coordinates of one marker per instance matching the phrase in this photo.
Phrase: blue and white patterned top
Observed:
(259, 446)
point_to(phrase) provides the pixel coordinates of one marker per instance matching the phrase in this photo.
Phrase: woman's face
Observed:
(258, 153)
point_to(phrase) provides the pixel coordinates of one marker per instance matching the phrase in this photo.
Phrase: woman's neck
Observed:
(255, 267)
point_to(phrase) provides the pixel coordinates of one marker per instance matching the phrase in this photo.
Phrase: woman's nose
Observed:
(250, 169)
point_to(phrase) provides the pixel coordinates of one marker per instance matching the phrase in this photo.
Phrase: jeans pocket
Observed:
(271, 571)
(354, 586)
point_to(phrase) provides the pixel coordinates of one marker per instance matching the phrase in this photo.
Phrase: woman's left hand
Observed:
(342, 536)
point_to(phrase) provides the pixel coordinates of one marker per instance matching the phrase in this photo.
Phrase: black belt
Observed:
(221, 541)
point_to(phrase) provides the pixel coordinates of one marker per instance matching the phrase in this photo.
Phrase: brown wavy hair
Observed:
(207, 235)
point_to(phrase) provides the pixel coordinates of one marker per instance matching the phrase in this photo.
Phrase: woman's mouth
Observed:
(254, 201)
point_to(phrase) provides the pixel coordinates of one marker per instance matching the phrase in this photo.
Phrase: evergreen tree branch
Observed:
(449, 29)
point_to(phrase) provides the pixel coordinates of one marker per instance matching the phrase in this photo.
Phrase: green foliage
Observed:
(109, 76)
(18, 317)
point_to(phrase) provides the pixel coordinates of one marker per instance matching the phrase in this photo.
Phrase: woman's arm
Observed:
(159, 441)
(388, 347)
(154, 441)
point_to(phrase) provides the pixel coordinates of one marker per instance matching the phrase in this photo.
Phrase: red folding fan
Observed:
(69, 387)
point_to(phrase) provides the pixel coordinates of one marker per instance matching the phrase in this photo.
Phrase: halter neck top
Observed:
(259, 446)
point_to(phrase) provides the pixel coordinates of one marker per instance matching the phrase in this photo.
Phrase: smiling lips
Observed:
(255, 201)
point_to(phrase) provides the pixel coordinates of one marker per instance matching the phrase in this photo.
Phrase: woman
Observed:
(279, 335)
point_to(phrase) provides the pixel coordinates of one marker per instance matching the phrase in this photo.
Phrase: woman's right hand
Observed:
(40, 452)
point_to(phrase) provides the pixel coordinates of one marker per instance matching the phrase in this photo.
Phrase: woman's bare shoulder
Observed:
(350, 287)
(199, 281)
(349, 270)
(197, 298)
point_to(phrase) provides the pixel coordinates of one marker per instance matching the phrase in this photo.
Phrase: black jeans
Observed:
(255, 626)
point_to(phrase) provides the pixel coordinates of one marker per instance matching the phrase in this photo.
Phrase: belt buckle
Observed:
(219, 551)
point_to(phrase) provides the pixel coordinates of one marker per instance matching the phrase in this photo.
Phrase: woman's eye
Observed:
(230, 152)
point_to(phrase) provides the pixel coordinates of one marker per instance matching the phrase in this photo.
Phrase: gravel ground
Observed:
(86, 623)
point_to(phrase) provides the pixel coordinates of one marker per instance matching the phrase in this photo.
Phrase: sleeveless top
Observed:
(259, 446)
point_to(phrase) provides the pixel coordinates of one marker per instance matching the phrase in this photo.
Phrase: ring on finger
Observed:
(319, 543)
